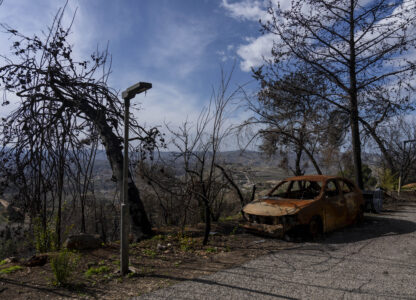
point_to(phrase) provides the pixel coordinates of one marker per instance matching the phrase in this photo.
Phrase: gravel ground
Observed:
(376, 260)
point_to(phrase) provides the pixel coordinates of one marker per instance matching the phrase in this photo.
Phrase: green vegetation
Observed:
(186, 243)
(63, 264)
(44, 238)
(234, 231)
(150, 252)
(159, 237)
(388, 180)
(368, 179)
(211, 249)
(10, 269)
(2, 262)
(97, 270)
(231, 218)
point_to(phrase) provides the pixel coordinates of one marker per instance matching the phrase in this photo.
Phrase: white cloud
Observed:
(246, 10)
(166, 103)
(254, 53)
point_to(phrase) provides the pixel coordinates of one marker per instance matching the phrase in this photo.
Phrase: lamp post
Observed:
(127, 95)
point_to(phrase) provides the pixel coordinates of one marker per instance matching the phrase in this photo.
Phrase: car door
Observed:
(351, 203)
(335, 208)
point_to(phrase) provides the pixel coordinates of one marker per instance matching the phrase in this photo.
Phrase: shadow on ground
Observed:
(372, 227)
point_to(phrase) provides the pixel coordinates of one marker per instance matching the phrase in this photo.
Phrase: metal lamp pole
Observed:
(127, 95)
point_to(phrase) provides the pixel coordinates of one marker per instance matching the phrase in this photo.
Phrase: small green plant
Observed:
(10, 269)
(158, 237)
(186, 243)
(116, 262)
(388, 180)
(177, 263)
(150, 252)
(97, 270)
(211, 249)
(44, 237)
(234, 231)
(3, 262)
(63, 264)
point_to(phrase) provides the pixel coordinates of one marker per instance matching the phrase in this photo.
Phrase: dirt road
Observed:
(376, 260)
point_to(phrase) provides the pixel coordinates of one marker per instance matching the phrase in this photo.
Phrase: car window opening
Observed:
(297, 189)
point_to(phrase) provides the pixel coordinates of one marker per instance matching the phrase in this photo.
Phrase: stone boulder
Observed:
(36, 260)
(83, 241)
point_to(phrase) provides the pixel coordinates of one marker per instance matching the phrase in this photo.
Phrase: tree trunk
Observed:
(207, 223)
(353, 92)
(298, 171)
(233, 184)
(140, 225)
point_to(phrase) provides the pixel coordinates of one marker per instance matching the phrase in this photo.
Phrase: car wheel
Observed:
(315, 228)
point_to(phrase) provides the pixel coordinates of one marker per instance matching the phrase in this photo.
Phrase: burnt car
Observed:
(316, 202)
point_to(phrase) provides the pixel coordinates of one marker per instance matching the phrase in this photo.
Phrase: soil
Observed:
(165, 259)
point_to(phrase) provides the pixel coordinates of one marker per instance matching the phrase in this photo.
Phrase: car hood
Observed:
(276, 207)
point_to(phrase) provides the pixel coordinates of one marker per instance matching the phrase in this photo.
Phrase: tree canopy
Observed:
(362, 50)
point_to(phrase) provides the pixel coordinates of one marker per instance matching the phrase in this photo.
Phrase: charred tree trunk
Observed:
(298, 170)
(207, 223)
(233, 184)
(353, 92)
(140, 225)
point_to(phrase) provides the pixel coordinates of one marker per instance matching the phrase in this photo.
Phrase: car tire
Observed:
(315, 228)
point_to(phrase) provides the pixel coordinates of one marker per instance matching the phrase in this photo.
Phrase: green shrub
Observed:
(97, 270)
(10, 269)
(44, 238)
(150, 252)
(158, 237)
(63, 264)
(211, 249)
(388, 180)
(186, 243)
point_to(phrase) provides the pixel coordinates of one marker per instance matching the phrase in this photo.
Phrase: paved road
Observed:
(374, 261)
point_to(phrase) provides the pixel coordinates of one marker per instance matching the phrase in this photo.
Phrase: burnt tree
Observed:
(359, 48)
(53, 86)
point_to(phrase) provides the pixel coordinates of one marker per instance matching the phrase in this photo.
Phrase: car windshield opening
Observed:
(297, 189)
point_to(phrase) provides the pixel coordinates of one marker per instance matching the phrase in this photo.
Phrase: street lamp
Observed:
(127, 95)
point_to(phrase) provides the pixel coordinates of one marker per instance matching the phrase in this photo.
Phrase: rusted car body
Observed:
(322, 203)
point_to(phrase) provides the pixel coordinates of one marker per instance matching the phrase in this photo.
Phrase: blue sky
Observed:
(178, 45)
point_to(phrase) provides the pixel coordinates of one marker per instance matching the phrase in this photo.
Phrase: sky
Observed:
(179, 46)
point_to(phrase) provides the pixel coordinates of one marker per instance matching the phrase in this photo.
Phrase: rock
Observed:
(11, 259)
(161, 247)
(134, 270)
(83, 241)
(36, 260)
